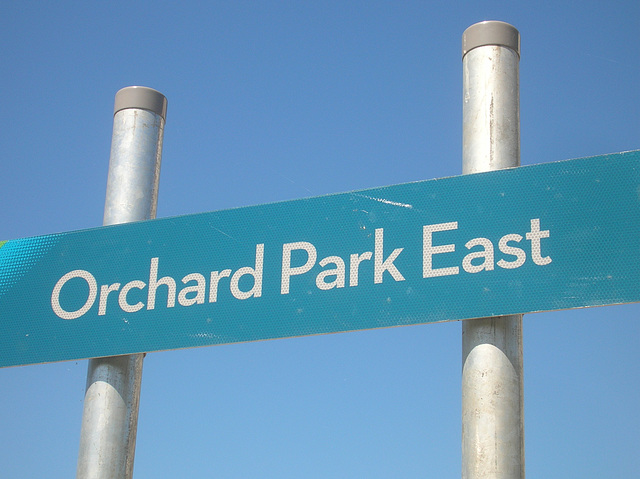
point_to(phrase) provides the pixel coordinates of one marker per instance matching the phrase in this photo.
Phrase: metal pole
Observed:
(110, 416)
(492, 384)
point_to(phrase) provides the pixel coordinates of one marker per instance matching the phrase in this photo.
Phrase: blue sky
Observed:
(271, 101)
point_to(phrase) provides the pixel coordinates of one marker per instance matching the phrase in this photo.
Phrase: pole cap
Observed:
(141, 97)
(491, 33)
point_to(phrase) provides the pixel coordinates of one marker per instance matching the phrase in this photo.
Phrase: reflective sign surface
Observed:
(537, 238)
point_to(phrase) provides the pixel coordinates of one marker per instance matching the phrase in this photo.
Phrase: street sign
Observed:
(536, 238)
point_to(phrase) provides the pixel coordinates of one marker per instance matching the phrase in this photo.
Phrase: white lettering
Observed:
(104, 294)
(387, 265)
(55, 295)
(355, 264)
(511, 250)
(213, 286)
(428, 250)
(535, 235)
(154, 282)
(330, 274)
(338, 272)
(198, 289)
(122, 298)
(486, 253)
(256, 272)
(287, 270)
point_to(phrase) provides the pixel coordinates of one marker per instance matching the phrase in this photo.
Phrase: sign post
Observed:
(110, 416)
(492, 384)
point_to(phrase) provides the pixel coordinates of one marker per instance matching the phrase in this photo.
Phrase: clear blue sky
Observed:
(271, 101)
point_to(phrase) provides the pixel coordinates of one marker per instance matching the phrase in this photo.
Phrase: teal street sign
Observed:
(537, 238)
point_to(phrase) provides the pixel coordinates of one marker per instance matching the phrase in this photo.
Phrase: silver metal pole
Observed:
(110, 416)
(492, 383)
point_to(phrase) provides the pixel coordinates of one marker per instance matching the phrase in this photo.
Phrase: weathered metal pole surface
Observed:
(110, 416)
(492, 383)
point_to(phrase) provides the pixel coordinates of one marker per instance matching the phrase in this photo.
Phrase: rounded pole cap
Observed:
(141, 97)
(491, 33)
